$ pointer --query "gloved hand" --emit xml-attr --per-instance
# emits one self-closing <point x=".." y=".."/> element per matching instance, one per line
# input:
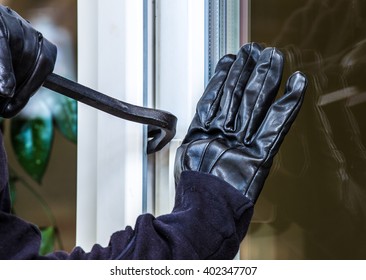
<point x="26" y="59"/>
<point x="238" y="127"/>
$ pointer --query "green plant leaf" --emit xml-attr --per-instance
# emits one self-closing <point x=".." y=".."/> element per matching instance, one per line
<point x="48" y="240"/>
<point x="32" y="141"/>
<point x="66" y="118"/>
<point x="63" y="110"/>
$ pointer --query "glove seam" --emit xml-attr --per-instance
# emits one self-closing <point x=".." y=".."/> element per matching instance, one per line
<point x="212" y="165"/>
<point x="220" y="156"/>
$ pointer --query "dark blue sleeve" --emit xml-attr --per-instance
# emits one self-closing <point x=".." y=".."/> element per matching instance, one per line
<point x="209" y="220"/>
<point x="18" y="239"/>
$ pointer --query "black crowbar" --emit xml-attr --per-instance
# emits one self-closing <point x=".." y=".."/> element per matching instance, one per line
<point x="161" y="124"/>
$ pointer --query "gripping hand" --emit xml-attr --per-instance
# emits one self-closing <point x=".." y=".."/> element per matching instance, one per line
<point x="26" y="59"/>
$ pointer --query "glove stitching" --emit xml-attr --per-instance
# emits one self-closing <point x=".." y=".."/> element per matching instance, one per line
<point x="219" y="157"/>
<point x="204" y="153"/>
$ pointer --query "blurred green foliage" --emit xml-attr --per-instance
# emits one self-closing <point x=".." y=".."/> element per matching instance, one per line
<point x="31" y="138"/>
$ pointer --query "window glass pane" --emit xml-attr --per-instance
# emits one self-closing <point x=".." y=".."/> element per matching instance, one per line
<point x="318" y="183"/>
<point x="222" y="31"/>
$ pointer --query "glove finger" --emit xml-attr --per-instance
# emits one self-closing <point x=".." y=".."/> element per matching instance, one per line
<point x="281" y="115"/>
<point x="277" y="123"/>
<point x="209" y="103"/>
<point x="260" y="92"/>
<point x="237" y="80"/>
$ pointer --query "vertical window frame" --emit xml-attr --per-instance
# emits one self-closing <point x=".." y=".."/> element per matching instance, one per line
<point x="110" y="150"/>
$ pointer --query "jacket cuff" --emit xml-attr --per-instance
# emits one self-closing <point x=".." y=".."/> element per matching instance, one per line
<point x="224" y="211"/>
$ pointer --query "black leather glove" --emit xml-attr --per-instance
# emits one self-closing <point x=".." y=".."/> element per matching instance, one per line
<point x="26" y="59"/>
<point x="238" y="127"/>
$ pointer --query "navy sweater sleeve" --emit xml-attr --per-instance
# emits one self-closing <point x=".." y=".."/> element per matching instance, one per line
<point x="209" y="220"/>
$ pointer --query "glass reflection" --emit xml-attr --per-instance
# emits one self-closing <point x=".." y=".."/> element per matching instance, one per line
<point x="318" y="186"/>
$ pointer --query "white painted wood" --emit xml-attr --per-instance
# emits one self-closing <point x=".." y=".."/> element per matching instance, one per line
<point x="110" y="59"/>
<point x="180" y="71"/>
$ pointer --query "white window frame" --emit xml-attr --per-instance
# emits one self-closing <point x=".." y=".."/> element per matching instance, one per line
<point x="159" y="65"/>
<point x="180" y="68"/>
<point x="110" y="150"/>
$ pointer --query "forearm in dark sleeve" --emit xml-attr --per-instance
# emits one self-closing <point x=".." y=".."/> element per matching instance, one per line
<point x="209" y="220"/>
